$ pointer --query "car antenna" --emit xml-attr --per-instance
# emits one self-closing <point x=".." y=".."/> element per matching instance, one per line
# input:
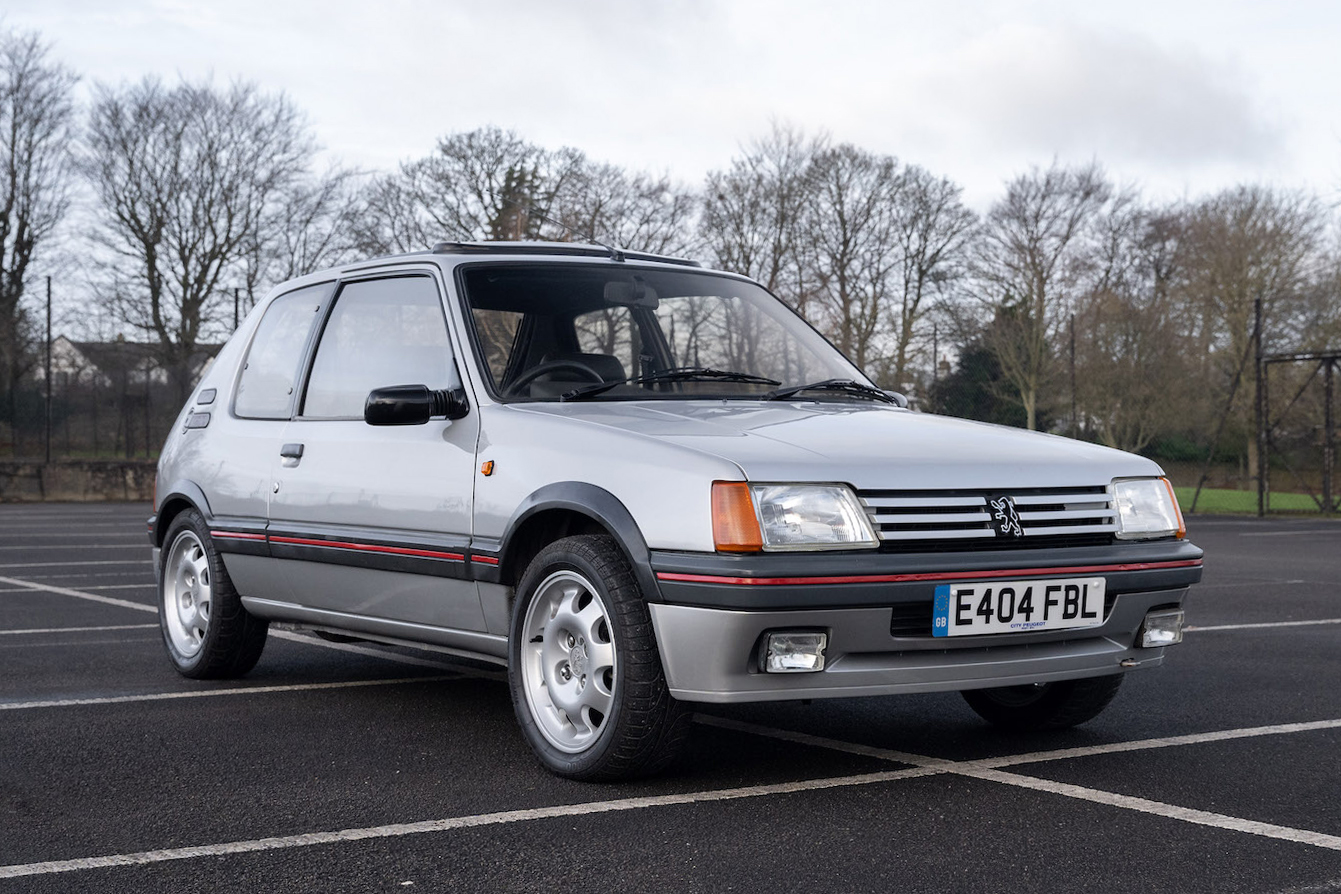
<point x="616" y="253"/>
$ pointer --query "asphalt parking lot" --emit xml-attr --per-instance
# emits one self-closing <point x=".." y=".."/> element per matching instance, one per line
<point x="343" y="767"/>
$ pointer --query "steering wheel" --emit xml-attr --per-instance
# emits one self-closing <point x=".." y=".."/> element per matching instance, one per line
<point x="535" y="372"/>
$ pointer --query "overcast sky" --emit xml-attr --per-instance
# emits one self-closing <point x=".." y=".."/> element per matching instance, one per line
<point x="1181" y="97"/>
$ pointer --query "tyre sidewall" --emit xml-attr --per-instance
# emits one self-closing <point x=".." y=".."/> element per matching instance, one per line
<point x="191" y="520"/>
<point x="562" y="556"/>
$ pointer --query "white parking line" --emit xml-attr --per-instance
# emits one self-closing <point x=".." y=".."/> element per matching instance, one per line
<point x="72" y="520"/>
<point x="60" y="564"/>
<point x="141" y="586"/>
<point x="146" y="571"/>
<point x="212" y="693"/>
<point x="1294" y="533"/>
<point x="458" y="822"/>
<point x="1158" y="808"/>
<point x="28" y="547"/>
<point x="1265" y="625"/>
<point x="352" y="648"/>
<point x="1259" y="583"/>
<point x="66" y="535"/>
<point x="35" y="630"/>
<point x="986" y="770"/>
<point x="78" y="594"/>
<point x="924" y="766"/>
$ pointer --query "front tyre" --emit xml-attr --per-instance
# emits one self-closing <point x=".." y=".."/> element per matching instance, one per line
<point x="208" y="633"/>
<point x="584" y="669"/>
<point x="1038" y="707"/>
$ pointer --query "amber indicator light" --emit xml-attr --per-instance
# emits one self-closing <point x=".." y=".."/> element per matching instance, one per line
<point x="1182" y="526"/>
<point x="735" y="527"/>
<point x="488" y="468"/>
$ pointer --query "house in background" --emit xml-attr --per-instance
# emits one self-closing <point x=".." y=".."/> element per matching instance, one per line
<point x="117" y="364"/>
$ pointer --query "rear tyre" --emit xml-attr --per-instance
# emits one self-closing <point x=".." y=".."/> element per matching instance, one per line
<point x="208" y="633"/>
<point x="1038" y="707"/>
<point x="584" y="669"/>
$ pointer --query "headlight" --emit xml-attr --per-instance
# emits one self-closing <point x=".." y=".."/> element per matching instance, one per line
<point x="748" y="517"/>
<point x="1146" y="509"/>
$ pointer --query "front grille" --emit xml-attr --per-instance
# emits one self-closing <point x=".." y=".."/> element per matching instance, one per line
<point x="960" y="520"/>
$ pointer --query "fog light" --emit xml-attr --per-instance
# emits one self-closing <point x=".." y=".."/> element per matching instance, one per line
<point x="1162" y="628"/>
<point x="793" y="652"/>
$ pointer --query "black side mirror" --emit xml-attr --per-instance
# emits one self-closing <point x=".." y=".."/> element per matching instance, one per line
<point x="413" y="405"/>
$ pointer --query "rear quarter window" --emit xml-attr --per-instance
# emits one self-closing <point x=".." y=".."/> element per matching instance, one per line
<point x="270" y="373"/>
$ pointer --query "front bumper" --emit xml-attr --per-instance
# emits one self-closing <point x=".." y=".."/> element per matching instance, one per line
<point x="716" y="610"/>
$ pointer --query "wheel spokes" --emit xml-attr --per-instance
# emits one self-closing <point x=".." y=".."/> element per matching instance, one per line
<point x="568" y="661"/>
<point x="186" y="594"/>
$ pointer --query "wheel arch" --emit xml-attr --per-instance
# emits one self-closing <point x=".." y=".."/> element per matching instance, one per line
<point x="573" y="507"/>
<point x="182" y="495"/>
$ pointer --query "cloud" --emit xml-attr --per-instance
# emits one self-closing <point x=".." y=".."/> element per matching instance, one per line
<point x="1075" y="91"/>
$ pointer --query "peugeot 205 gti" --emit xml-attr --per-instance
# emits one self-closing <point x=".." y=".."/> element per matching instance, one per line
<point x="639" y="484"/>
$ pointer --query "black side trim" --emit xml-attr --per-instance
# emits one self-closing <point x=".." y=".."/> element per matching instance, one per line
<point x="240" y="535"/>
<point x="595" y="503"/>
<point x="443" y="556"/>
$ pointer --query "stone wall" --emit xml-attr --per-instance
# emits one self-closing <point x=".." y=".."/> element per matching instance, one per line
<point x="77" y="480"/>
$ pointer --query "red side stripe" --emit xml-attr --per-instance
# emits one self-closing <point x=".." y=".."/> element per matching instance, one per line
<point x="235" y="535"/>
<point x="484" y="560"/>
<point x="925" y="576"/>
<point x="370" y="548"/>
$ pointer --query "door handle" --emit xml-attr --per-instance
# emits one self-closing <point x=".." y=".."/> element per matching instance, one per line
<point x="291" y="451"/>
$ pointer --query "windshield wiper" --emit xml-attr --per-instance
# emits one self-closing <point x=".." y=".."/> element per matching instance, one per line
<point x="678" y="374"/>
<point x="845" y="386"/>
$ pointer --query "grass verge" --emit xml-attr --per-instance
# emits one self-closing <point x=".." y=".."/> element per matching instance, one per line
<point x="1241" y="502"/>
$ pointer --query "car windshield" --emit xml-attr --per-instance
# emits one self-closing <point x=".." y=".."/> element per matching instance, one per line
<point x="547" y="332"/>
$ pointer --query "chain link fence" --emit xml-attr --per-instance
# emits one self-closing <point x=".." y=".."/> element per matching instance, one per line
<point x="113" y="401"/>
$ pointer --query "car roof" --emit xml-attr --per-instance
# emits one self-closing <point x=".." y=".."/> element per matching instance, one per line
<point x="451" y="254"/>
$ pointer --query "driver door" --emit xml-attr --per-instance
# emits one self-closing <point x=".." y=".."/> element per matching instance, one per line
<point x="374" y="521"/>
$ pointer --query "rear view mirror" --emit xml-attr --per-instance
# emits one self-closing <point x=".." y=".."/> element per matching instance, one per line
<point x="413" y="405"/>
<point x="634" y="292"/>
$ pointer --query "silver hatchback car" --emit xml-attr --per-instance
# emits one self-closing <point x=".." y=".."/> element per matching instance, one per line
<point x="639" y="484"/>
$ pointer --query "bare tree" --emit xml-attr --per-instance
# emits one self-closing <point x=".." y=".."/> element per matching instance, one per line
<point x="1241" y="246"/>
<point x="35" y="127"/>
<point x="1134" y="354"/>
<point x="752" y="211"/>
<point x="1032" y="257"/>
<point x="1245" y="244"/>
<point x="934" y="231"/>
<point x="634" y="211"/>
<point x="851" y="249"/>
<point x="310" y="224"/>
<point x="184" y="179"/>
<point x="483" y="184"/>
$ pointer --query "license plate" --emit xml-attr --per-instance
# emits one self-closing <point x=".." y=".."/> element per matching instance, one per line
<point x="1016" y="606"/>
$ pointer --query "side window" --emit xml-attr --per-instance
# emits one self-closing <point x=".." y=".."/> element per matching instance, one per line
<point x="382" y="332"/>
<point x="270" y="374"/>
